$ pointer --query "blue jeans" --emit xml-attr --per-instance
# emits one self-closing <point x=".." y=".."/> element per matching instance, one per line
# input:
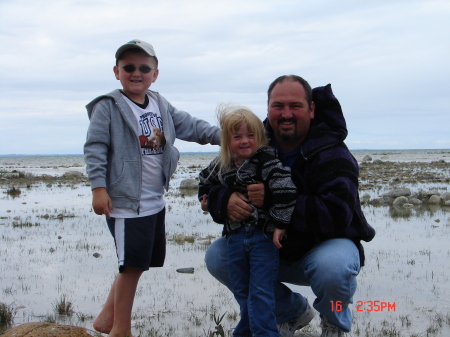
<point x="253" y="270"/>
<point x="330" y="269"/>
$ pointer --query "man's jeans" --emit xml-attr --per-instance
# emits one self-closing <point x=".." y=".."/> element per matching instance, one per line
<point x="330" y="269"/>
<point x="253" y="266"/>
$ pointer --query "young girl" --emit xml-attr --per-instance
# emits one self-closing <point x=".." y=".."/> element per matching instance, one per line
<point x="244" y="159"/>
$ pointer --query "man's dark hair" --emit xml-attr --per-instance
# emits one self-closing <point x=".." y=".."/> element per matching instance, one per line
<point x="293" y="78"/>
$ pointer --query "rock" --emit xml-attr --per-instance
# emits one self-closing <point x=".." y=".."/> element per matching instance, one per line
<point x="73" y="174"/>
<point x="398" y="192"/>
<point x="188" y="270"/>
<point x="180" y="238"/>
<point x="445" y="196"/>
<point x="189" y="184"/>
<point x="415" y="201"/>
<point x="434" y="199"/>
<point x="431" y="192"/>
<point x="400" y="200"/>
<point x="365" y="198"/>
<point x="205" y="242"/>
<point x="44" y="329"/>
<point x="407" y="205"/>
<point x="367" y="158"/>
<point x="377" y="201"/>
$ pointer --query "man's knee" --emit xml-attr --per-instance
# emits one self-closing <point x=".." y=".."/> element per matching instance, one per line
<point x="337" y="259"/>
<point x="216" y="259"/>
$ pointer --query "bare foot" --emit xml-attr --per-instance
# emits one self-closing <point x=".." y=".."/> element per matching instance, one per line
<point x="102" y="324"/>
<point x="122" y="334"/>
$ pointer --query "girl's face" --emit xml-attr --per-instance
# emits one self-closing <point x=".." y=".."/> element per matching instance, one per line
<point x="243" y="144"/>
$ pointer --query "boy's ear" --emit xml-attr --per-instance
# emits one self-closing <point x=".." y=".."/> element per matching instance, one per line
<point x="155" y="75"/>
<point x="116" y="72"/>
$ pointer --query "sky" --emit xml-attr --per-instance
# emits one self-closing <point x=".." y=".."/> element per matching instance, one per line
<point x="387" y="62"/>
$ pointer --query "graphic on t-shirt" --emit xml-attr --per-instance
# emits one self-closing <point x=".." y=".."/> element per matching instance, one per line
<point x="157" y="141"/>
<point x="152" y="139"/>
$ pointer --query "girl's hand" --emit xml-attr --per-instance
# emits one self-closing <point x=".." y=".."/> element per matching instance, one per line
<point x="204" y="203"/>
<point x="277" y="237"/>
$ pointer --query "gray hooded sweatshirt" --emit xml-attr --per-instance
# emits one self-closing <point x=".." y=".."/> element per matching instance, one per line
<point x="112" y="151"/>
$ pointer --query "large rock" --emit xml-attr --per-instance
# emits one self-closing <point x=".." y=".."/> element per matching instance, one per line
<point x="445" y="196"/>
<point x="44" y="329"/>
<point x="189" y="184"/>
<point x="400" y="201"/>
<point x="434" y="199"/>
<point x="367" y="158"/>
<point x="398" y="192"/>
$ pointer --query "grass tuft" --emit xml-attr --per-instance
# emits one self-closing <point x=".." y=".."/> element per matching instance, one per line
<point x="64" y="306"/>
<point x="7" y="313"/>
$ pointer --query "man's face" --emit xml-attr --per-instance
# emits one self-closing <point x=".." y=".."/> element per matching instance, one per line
<point x="288" y="113"/>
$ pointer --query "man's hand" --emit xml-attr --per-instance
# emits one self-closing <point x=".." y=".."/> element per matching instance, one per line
<point x="204" y="203"/>
<point x="101" y="202"/>
<point x="277" y="237"/>
<point x="256" y="194"/>
<point x="237" y="208"/>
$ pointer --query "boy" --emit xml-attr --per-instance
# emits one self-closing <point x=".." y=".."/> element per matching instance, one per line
<point x="130" y="158"/>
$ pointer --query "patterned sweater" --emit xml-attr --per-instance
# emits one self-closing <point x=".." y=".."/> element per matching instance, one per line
<point x="264" y="167"/>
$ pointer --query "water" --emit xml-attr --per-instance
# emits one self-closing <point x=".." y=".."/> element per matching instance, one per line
<point x="49" y="234"/>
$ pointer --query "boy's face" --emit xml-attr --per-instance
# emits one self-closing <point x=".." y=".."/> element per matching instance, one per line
<point x="136" y="83"/>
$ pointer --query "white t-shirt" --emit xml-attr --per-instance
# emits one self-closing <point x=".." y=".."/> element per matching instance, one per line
<point x="151" y="137"/>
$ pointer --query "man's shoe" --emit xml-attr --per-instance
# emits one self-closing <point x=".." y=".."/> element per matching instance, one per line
<point x="330" y="330"/>
<point x="288" y="329"/>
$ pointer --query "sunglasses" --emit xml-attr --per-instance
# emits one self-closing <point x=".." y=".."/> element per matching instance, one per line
<point x="129" y="68"/>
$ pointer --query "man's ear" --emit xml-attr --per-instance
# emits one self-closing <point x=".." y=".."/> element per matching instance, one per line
<point x="312" y="108"/>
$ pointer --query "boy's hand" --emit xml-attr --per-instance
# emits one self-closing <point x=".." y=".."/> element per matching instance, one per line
<point x="277" y="237"/>
<point x="256" y="194"/>
<point x="101" y="202"/>
<point x="204" y="203"/>
<point x="237" y="208"/>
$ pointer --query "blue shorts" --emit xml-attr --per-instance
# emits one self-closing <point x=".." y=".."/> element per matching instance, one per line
<point x="140" y="242"/>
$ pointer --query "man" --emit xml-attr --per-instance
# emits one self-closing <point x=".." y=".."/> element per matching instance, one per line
<point x="323" y="248"/>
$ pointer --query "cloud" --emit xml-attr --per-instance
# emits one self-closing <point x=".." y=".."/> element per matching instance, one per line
<point x="386" y="61"/>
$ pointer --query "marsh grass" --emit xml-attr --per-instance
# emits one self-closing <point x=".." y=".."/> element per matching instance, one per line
<point x="25" y="224"/>
<point x="7" y="313"/>
<point x="13" y="192"/>
<point x="219" y="329"/>
<point x="63" y="306"/>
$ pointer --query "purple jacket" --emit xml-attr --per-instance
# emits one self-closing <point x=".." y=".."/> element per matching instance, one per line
<point x="326" y="176"/>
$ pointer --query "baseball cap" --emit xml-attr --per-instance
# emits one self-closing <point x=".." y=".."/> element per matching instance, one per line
<point x="146" y="47"/>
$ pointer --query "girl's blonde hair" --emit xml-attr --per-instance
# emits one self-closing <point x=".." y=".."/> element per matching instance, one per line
<point x="230" y="118"/>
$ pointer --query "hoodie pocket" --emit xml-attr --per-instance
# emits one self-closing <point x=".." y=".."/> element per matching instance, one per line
<point x="127" y="184"/>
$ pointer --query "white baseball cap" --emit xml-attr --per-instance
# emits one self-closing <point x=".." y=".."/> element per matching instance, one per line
<point x="146" y="47"/>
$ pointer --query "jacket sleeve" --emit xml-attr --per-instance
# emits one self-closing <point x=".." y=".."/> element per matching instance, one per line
<point x="283" y="192"/>
<point x="326" y="202"/>
<point x="97" y="145"/>
<point x="217" y="194"/>
<point x="193" y="129"/>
